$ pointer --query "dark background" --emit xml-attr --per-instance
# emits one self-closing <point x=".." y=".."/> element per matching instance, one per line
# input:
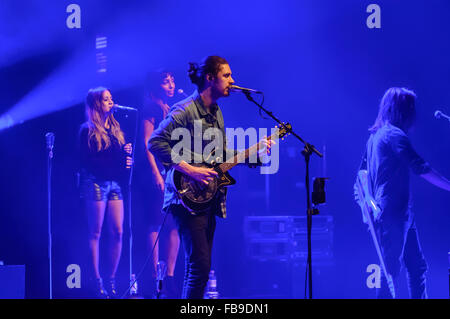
<point x="321" y="69"/>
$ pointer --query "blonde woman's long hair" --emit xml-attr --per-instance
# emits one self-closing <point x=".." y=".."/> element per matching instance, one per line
<point x="94" y="115"/>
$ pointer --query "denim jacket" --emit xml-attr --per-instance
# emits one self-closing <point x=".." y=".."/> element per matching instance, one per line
<point x="188" y="114"/>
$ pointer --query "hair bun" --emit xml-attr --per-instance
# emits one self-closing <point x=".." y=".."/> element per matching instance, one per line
<point x="193" y="72"/>
<point x="193" y="67"/>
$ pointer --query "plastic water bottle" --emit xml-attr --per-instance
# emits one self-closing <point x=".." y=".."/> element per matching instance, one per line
<point x="211" y="288"/>
<point x="134" y="285"/>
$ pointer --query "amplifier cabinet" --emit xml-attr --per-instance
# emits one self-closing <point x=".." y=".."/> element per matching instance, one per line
<point x="285" y="238"/>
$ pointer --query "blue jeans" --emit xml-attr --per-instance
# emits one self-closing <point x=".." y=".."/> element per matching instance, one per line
<point x="400" y="245"/>
<point x="196" y="234"/>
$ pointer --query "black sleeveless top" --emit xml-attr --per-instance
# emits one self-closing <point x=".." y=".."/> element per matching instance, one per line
<point x="150" y="111"/>
<point x="105" y="165"/>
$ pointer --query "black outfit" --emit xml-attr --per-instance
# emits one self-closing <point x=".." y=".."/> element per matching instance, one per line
<point x="196" y="229"/>
<point x="147" y="205"/>
<point x="389" y="160"/>
<point x="102" y="173"/>
<point x="197" y="234"/>
<point x="103" y="176"/>
<point x="148" y="198"/>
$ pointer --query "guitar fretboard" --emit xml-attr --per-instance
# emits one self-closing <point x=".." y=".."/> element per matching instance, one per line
<point x="241" y="157"/>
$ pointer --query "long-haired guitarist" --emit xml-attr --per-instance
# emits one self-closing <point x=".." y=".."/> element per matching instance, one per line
<point x="196" y="229"/>
<point x="389" y="159"/>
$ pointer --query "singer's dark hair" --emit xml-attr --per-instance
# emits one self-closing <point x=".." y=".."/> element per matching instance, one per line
<point x="397" y="107"/>
<point x="154" y="78"/>
<point x="210" y="65"/>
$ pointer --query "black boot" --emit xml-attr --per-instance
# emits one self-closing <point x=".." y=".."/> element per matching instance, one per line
<point x="160" y="290"/>
<point x="170" y="290"/>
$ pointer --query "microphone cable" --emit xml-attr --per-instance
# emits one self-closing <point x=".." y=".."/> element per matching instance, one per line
<point x="149" y="255"/>
<point x="260" y="111"/>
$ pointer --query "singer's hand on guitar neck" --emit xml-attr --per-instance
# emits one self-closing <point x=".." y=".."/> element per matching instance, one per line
<point x="200" y="174"/>
<point x="265" y="144"/>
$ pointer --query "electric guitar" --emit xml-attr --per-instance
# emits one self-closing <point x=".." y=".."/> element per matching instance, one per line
<point x="371" y="212"/>
<point x="197" y="196"/>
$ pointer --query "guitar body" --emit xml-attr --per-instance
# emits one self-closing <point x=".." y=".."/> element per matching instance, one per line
<point x="372" y="212"/>
<point x="196" y="196"/>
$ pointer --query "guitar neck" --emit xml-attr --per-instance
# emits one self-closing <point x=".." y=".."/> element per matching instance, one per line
<point x="241" y="157"/>
<point x="238" y="158"/>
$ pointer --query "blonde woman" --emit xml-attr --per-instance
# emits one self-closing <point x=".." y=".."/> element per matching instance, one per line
<point x="104" y="163"/>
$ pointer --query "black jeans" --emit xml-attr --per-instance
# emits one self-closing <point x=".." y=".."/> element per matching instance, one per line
<point x="400" y="244"/>
<point x="196" y="234"/>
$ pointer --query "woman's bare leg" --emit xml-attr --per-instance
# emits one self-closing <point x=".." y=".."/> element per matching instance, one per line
<point x="151" y="243"/>
<point x="95" y="214"/>
<point x="115" y="213"/>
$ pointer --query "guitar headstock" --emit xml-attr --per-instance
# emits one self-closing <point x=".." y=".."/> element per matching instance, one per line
<point x="283" y="130"/>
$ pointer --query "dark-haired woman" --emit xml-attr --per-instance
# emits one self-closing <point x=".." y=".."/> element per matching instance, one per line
<point x="149" y="182"/>
<point x="104" y="164"/>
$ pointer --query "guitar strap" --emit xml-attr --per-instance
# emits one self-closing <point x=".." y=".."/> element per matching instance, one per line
<point x="363" y="164"/>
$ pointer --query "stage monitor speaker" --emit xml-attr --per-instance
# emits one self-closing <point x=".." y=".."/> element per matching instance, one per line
<point x="12" y="282"/>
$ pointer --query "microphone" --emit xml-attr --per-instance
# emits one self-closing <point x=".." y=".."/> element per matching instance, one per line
<point x="439" y="115"/>
<point x="235" y="88"/>
<point x="180" y="91"/>
<point x="50" y="139"/>
<point x="121" y="107"/>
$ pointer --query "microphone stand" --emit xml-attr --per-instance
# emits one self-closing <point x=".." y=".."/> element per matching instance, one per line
<point x="132" y="280"/>
<point x="49" y="210"/>
<point x="308" y="150"/>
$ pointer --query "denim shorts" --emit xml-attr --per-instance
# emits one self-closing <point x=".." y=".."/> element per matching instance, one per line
<point x="91" y="189"/>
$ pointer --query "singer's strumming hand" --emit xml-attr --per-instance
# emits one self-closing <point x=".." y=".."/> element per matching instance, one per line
<point x="202" y="174"/>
